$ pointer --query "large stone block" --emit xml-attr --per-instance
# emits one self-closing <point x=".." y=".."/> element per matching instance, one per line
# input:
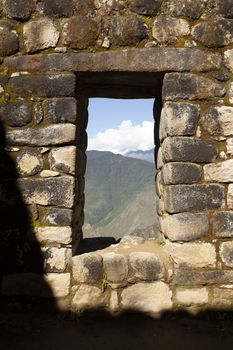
<point x="168" y="29"/>
<point x="230" y="146"/>
<point x="20" y="9"/>
<point x="127" y="30"/>
<point x="226" y="253"/>
<point x="53" y="235"/>
<point x="58" y="216"/>
<point x="222" y="298"/>
<point x="185" y="226"/>
<point x="48" y="85"/>
<point x="228" y="58"/>
<point x="178" y="119"/>
<point x="181" y="173"/>
<point x="194" y="277"/>
<point x="145" y="7"/>
<point x="219" y="172"/>
<point x="218" y="120"/>
<point x="52" y="191"/>
<point x="56" y="259"/>
<point x="50" y="135"/>
<point x="230" y="196"/>
<point x="187" y="149"/>
<point x="63" y="159"/>
<point x="182" y="198"/>
<point x="144" y="266"/>
<point x="15" y="113"/>
<point x="152" y="298"/>
<point x="187" y="8"/>
<point x="115" y="267"/>
<point x="29" y="163"/>
<point x="191" y="86"/>
<point x="194" y="255"/>
<point x="89" y="297"/>
<point x="60" y="110"/>
<point x="225" y="7"/>
<point x="9" y="43"/>
<point x="223" y="224"/>
<point x="88" y="268"/>
<point x="57" y="8"/>
<point x="194" y="296"/>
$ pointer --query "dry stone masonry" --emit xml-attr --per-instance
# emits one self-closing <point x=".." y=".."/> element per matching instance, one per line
<point x="54" y="54"/>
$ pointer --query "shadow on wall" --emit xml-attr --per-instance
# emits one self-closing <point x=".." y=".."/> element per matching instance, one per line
<point x="19" y="250"/>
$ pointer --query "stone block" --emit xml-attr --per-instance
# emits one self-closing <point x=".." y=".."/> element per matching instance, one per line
<point x="218" y="121"/>
<point x="63" y="159"/>
<point x="223" y="224"/>
<point x="191" y="86"/>
<point x="230" y="146"/>
<point x="144" y="266"/>
<point x="228" y="59"/>
<point x="145" y="7"/>
<point x="57" y="191"/>
<point x="222" y="298"/>
<point x="187" y="8"/>
<point x="49" y="173"/>
<point x="226" y="253"/>
<point x="49" y="135"/>
<point x="192" y="255"/>
<point x="219" y="172"/>
<point x="225" y="8"/>
<point x="56" y="259"/>
<point x="185" y="226"/>
<point x="9" y="42"/>
<point x="48" y="85"/>
<point x="214" y="33"/>
<point x="127" y="30"/>
<point x="178" y="119"/>
<point x="87" y="268"/>
<point x="182" y="198"/>
<point x="29" y="163"/>
<point x="20" y="9"/>
<point x="60" y="110"/>
<point x="152" y="298"/>
<point x="39" y="35"/>
<point x="192" y="296"/>
<point x="187" y="149"/>
<point x="80" y="32"/>
<point x="89" y="297"/>
<point x="230" y="196"/>
<point x="57" y="8"/>
<point x="167" y="29"/>
<point x="53" y="235"/>
<point x="181" y="173"/>
<point x="58" y="216"/>
<point x="15" y="113"/>
<point x="194" y="277"/>
<point x="115" y="267"/>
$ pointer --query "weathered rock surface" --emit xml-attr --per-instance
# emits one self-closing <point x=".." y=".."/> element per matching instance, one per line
<point x="191" y="277"/>
<point x="60" y="110"/>
<point x="45" y="136"/>
<point x="48" y="173"/>
<point x="228" y="59"/>
<point x="58" y="216"/>
<point x="181" y="173"/>
<point x="178" y="119"/>
<point x="223" y="224"/>
<point x="57" y="235"/>
<point x="222" y="298"/>
<point x="115" y="267"/>
<point x="87" y="268"/>
<point x="56" y="259"/>
<point x="29" y="163"/>
<point x="230" y="196"/>
<point x="225" y="7"/>
<point x="218" y="120"/>
<point x="8" y="41"/>
<point x="182" y="198"/>
<point x="15" y="113"/>
<point x="58" y="191"/>
<point x="194" y="296"/>
<point x="145" y="7"/>
<point x="168" y="29"/>
<point x="57" y="8"/>
<point x="226" y="253"/>
<point x="144" y="266"/>
<point x="219" y="172"/>
<point x="20" y="9"/>
<point x="185" y="226"/>
<point x="63" y="159"/>
<point x="89" y="297"/>
<point x="151" y="298"/>
<point x="187" y="8"/>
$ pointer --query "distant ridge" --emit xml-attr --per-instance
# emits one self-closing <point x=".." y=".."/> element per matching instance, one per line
<point x="139" y="154"/>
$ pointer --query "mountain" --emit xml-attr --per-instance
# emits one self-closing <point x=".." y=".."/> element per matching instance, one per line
<point x="144" y="155"/>
<point x="119" y="195"/>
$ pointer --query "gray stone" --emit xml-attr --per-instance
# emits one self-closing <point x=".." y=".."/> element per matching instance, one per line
<point x="219" y="172"/>
<point x="188" y="8"/>
<point x="63" y="159"/>
<point x="226" y="253"/>
<point x="193" y="296"/>
<point x="50" y="135"/>
<point x="58" y="8"/>
<point x="89" y="297"/>
<point x="85" y="6"/>
<point x="127" y="30"/>
<point x="115" y="267"/>
<point x="20" y="9"/>
<point x="38" y="112"/>
<point x="181" y="173"/>
<point x="49" y="173"/>
<point x="194" y="277"/>
<point x="58" y="191"/>
<point x="215" y="33"/>
<point x="39" y="35"/>
<point x="218" y="120"/>
<point x="48" y="85"/>
<point x="9" y="43"/>
<point x="222" y="298"/>
<point x="228" y="59"/>
<point x="60" y="110"/>
<point x="144" y="266"/>
<point x="178" y="119"/>
<point x="190" y="86"/>
<point x="225" y="7"/>
<point x="80" y="32"/>
<point x="185" y="226"/>
<point x="145" y="7"/>
<point x="152" y="298"/>
<point x="187" y="149"/>
<point x="182" y="198"/>
<point x="15" y="113"/>
<point x="168" y="29"/>
<point x="52" y="285"/>
<point x="58" y="216"/>
<point x="87" y="268"/>
<point x="223" y="224"/>
<point x="51" y="235"/>
<point x="29" y="163"/>
<point x="230" y="93"/>
<point x="230" y="196"/>
<point x="56" y="259"/>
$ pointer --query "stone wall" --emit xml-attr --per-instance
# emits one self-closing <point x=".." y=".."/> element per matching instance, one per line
<point x="51" y="53"/>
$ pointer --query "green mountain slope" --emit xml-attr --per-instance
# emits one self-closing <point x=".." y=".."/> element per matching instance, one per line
<point x="120" y="195"/>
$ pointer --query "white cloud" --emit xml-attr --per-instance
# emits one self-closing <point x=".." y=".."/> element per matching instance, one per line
<point x="124" y="138"/>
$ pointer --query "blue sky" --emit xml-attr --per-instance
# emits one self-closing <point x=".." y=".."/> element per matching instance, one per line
<point x="118" y="125"/>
